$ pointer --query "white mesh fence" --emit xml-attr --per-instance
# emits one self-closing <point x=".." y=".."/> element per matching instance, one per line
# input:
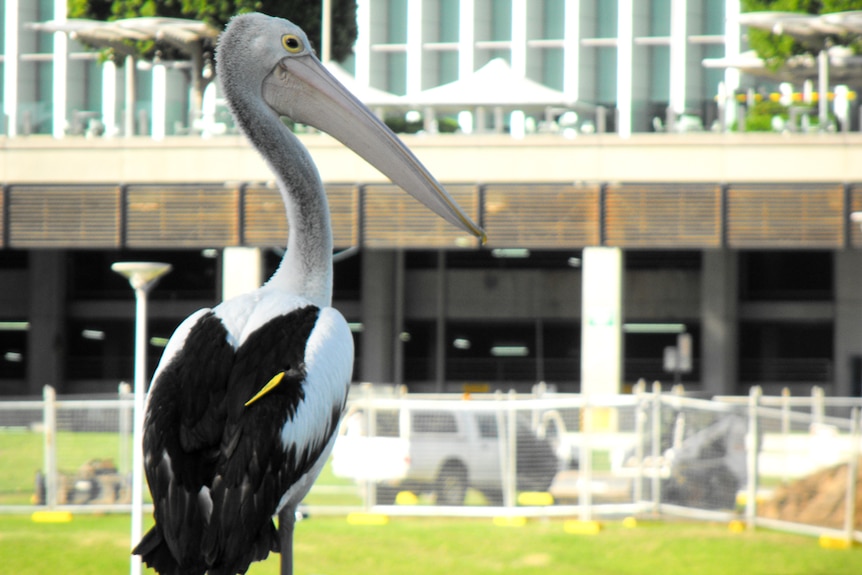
<point x="66" y="451"/>
<point x="785" y="462"/>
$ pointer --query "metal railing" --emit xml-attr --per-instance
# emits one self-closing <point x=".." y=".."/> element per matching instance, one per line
<point x="757" y="460"/>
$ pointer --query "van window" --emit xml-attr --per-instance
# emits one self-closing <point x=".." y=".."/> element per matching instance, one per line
<point x="487" y="425"/>
<point x="434" y="422"/>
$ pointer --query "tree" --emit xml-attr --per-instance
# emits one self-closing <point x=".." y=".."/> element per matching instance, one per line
<point x="775" y="49"/>
<point x="306" y="14"/>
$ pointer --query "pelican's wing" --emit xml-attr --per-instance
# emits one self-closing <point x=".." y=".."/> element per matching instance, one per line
<point x="276" y="443"/>
<point x="182" y="435"/>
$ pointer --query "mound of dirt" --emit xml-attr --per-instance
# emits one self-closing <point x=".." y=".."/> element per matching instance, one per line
<point x="818" y="499"/>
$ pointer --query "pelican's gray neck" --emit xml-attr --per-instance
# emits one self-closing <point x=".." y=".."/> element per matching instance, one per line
<point x="306" y="268"/>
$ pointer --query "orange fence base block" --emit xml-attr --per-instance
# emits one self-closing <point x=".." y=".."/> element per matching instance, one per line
<point x="577" y="527"/>
<point x="828" y="542"/>
<point x="367" y="519"/>
<point x="406" y="498"/>
<point x="535" y="499"/>
<point x="51" y="517"/>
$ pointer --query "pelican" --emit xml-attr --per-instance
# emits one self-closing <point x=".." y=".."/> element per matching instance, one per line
<point x="247" y="398"/>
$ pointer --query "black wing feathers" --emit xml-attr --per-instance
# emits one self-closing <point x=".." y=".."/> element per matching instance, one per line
<point x="221" y="451"/>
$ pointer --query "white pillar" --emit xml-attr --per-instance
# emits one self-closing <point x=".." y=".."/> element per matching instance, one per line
<point x="61" y="67"/>
<point x="414" y="47"/>
<point x="732" y="41"/>
<point x="466" y="38"/>
<point x="109" y="98"/>
<point x="129" y="112"/>
<point x="10" y="68"/>
<point x="572" y="50"/>
<point x="519" y="37"/>
<point x="362" y="48"/>
<point x="160" y="95"/>
<point x="242" y="271"/>
<point x="601" y="321"/>
<point x="625" y="71"/>
<point x="678" y="19"/>
<point x="326" y="32"/>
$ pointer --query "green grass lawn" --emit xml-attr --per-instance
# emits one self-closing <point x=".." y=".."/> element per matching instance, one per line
<point x="329" y="545"/>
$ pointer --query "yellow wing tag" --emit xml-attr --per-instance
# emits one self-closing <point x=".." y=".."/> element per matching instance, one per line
<point x="270" y="385"/>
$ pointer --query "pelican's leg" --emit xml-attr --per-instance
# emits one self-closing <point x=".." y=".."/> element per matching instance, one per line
<point x="286" y="521"/>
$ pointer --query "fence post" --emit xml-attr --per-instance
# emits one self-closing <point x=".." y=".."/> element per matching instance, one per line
<point x="640" y="424"/>
<point x="585" y="463"/>
<point x="751" y="449"/>
<point x="852" y="474"/>
<point x="371" y="430"/>
<point x="818" y="408"/>
<point x="511" y="451"/>
<point x="49" y="421"/>
<point x="125" y="392"/>
<point x="656" y="446"/>
<point x="785" y="432"/>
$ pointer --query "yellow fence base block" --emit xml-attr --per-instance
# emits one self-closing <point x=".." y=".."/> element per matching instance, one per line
<point x="514" y="521"/>
<point x="578" y="527"/>
<point x="406" y="498"/>
<point x="737" y="526"/>
<point x="535" y="499"/>
<point x="367" y="519"/>
<point x="51" y="517"/>
<point x="828" y="542"/>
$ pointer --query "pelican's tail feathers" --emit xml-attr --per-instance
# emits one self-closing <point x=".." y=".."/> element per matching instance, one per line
<point x="155" y="553"/>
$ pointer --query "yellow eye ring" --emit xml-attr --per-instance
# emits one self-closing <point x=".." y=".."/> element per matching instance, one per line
<point x="292" y="43"/>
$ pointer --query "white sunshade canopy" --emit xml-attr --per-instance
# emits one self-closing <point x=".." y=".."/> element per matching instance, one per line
<point x="805" y="27"/>
<point x="367" y="95"/>
<point x="494" y="84"/>
<point x="181" y="33"/>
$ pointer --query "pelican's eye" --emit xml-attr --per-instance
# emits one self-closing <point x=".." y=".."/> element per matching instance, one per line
<point x="291" y="43"/>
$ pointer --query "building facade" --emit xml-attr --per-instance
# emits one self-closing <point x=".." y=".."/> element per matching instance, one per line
<point x="744" y="240"/>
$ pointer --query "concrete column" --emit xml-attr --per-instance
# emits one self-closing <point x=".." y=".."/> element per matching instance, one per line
<point x="242" y="271"/>
<point x="601" y="321"/>
<point x="378" y="316"/>
<point x="848" y="321"/>
<point x="719" y="321"/>
<point x="46" y="349"/>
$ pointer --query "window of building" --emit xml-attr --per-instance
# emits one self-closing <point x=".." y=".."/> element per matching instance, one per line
<point x="787" y="352"/>
<point x="786" y="275"/>
<point x="195" y="275"/>
<point x="13" y="350"/>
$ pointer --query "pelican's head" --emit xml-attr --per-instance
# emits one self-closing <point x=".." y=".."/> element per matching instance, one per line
<point x="269" y="60"/>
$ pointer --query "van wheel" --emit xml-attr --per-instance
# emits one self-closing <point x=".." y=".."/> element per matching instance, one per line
<point x="451" y="485"/>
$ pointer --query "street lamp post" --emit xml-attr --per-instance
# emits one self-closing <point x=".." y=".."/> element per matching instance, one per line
<point x="142" y="276"/>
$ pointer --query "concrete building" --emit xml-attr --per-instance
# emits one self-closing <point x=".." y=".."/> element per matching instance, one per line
<point x="744" y="241"/>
